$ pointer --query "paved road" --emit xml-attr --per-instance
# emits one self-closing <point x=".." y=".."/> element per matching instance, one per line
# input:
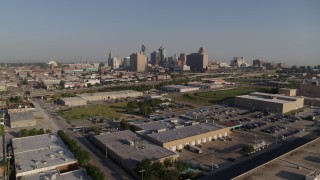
<point x="110" y="169"/>
<point x="241" y="167"/>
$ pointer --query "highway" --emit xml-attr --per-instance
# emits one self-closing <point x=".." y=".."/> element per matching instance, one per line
<point x="251" y="162"/>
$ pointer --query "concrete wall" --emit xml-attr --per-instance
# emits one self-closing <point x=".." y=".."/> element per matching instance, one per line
<point x="288" y="92"/>
<point x="23" y="123"/>
<point x="311" y="90"/>
<point x="198" y="139"/>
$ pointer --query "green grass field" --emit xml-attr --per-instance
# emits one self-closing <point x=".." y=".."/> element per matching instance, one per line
<point x="107" y="111"/>
<point x="212" y="97"/>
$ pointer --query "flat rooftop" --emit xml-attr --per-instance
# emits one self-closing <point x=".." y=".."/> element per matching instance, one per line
<point x="73" y="99"/>
<point x="179" y="86"/>
<point x="184" y="132"/>
<point x="274" y="98"/>
<point x="107" y="93"/>
<point x="20" y="116"/>
<point x="295" y="165"/>
<point x="42" y="152"/>
<point x="72" y="175"/>
<point x="142" y="148"/>
<point x="160" y="125"/>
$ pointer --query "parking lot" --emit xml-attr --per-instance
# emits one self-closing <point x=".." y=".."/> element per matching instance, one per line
<point x="222" y="152"/>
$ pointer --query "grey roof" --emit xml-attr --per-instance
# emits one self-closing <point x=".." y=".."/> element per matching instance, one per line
<point x="141" y="149"/>
<point x="72" y="175"/>
<point x="73" y="99"/>
<point x="41" y="152"/>
<point x="179" y="86"/>
<point x="183" y="132"/>
<point x="20" y="116"/>
<point x="274" y="98"/>
<point x="107" y="93"/>
<point x="159" y="125"/>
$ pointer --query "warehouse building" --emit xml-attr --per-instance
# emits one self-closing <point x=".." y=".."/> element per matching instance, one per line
<point x="129" y="148"/>
<point x="205" y="85"/>
<point x="180" y="88"/>
<point x="288" y="92"/>
<point x="109" y="95"/>
<point x="178" y="138"/>
<point x="72" y="101"/>
<point x="23" y="119"/>
<point x="56" y="175"/>
<point x="274" y="103"/>
<point x="34" y="155"/>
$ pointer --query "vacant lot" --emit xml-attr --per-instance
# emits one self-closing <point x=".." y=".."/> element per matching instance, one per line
<point x="112" y="111"/>
<point x="216" y="96"/>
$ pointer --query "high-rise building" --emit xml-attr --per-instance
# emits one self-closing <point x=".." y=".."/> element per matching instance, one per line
<point x="163" y="55"/>
<point x="137" y="62"/>
<point x="237" y="61"/>
<point x="114" y="62"/>
<point x="198" y="61"/>
<point x="155" y="58"/>
<point x="257" y="63"/>
<point x="126" y="62"/>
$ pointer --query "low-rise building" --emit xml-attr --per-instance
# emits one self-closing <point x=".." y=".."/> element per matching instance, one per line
<point x="23" y="119"/>
<point x="205" y="85"/>
<point x="288" y="92"/>
<point x="178" y="138"/>
<point x="109" y="95"/>
<point x="180" y="88"/>
<point x="34" y="155"/>
<point x="129" y="148"/>
<point x="72" y="101"/>
<point x="274" y="103"/>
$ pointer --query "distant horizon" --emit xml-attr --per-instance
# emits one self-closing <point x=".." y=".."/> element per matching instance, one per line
<point x="275" y="31"/>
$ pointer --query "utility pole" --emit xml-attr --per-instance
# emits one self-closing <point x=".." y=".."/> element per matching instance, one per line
<point x="212" y="159"/>
<point x="142" y="170"/>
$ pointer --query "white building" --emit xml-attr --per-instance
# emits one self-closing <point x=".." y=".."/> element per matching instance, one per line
<point x="180" y="88"/>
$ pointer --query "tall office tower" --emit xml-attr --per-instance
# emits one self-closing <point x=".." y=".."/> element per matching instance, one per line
<point x="237" y="61"/>
<point x="163" y="55"/>
<point x="183" y="58"/>
<point x="137" y="62"/>
<point x="126" y="62"/>
<point x="257" y="63"/>
<point x="113" y="62"/>
<point x="198" y="61"/>
<point x="143" y="50"/>
<point x="155" y="58"/>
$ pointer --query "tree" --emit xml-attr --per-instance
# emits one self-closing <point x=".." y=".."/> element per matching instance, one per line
<point x="94" y="172"/>
<point x="1" y="129"/>
<point x="48" y="131"/>
<point x="32" y="132"/>
<point x="41" y="85"/>
<point x="40" y="131"/>
<point x="247" y="149"/>
<point x="168" y="162"/>
<point x="157" y="169"/>
<point x="124" y="125"/>
<point x="62" y="83"/>
<point x="23" y="133"/>
<point x="144" y="164"/>
<point x="25" y="82"/>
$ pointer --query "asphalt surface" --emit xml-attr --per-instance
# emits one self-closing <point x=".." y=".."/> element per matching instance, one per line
<point x="243" y="166"/>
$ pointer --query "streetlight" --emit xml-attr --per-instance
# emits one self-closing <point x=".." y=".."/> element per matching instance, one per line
<point x="142" y="170"/>
<point x="212" y="160"/>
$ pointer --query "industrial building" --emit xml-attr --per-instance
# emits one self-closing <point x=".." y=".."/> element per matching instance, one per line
<point x="129" y="148"/>
<point x="72" y="101"/>
<point x="205" y="85"/>
<point x="109" y="95"/>
<point x="35" y="155"/>
<point x="310" y="90"/>
<point x="274" y="103"/>
<point x="56" y="175"/>
<point x="178" y="138"/>
<point x="288" y="92"/>
<point x="23" y="119"/>
<point x="180" y="88"/>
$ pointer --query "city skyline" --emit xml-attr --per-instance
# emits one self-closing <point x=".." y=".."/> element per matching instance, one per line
<point x="37" y="31"/>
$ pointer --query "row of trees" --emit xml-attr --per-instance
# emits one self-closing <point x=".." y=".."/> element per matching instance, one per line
<point x="33" y="132"/>
<point x="82" y="156"/>
<point x="145" y="107"/>
<point x="168" y="170"/>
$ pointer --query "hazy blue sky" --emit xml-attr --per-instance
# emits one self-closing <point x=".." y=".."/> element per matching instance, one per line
<point x="64" y="30"/>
